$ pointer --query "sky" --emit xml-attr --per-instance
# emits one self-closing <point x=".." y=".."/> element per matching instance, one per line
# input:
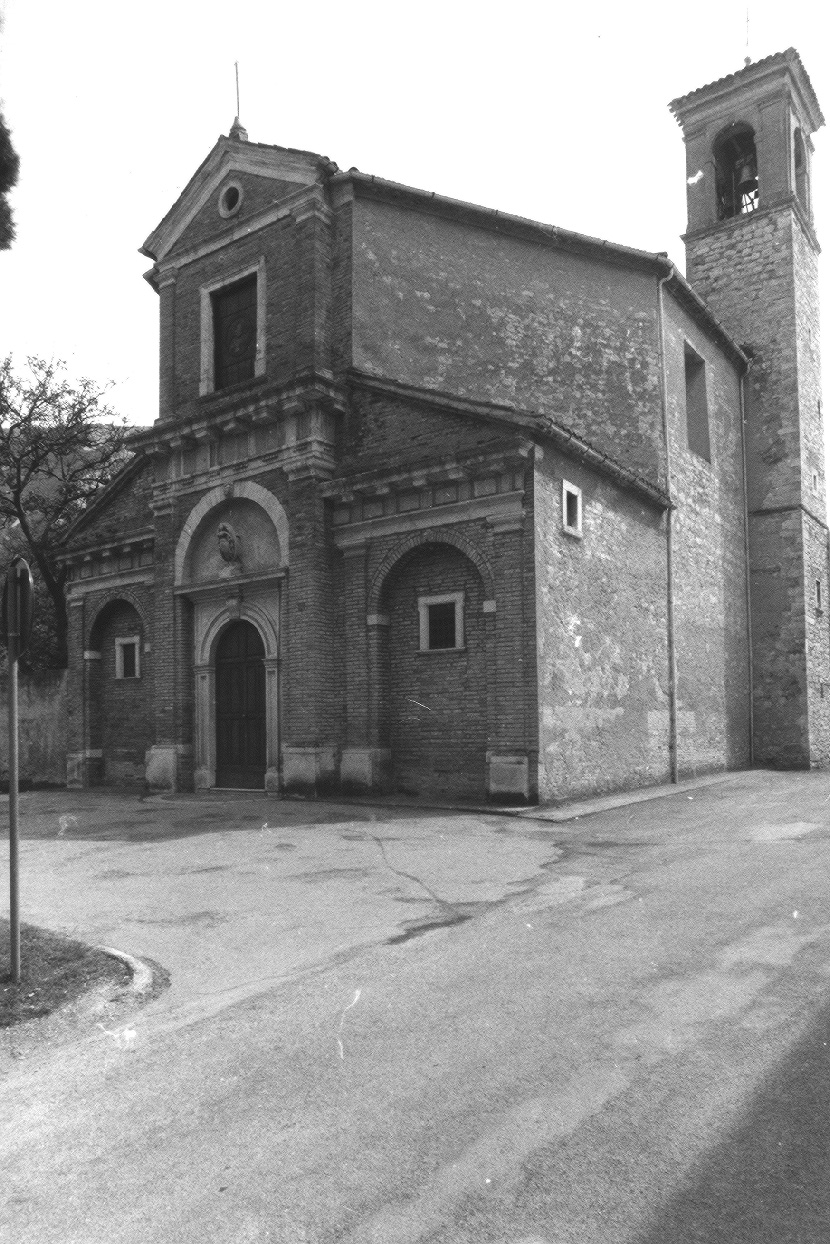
<point x="554" y="111"/>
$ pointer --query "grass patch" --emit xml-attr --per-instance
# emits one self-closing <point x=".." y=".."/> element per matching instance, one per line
<point x="54" y="970"/>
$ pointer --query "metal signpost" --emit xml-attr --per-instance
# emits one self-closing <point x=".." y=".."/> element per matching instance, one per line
<point x="15" y="631"/>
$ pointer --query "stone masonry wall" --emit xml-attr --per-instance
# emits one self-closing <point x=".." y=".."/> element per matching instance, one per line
<point x="601" y="625"/>
<point x="758" y="273"/>
<point x="41" y="728"/>
<point x="709" y="561"/>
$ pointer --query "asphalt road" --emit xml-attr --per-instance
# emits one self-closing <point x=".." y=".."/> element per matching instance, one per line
<point x="608" y="1030"/>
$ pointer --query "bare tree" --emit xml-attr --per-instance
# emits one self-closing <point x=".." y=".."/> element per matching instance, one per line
<point x="60" y="444"/>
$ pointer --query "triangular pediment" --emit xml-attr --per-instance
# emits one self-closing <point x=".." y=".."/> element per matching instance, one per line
<point x="270" y="173"/>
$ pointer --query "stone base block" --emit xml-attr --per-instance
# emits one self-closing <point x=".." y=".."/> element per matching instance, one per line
<point x="272" y="781"/>
<point x="309" y="770"/>
<point x="364" y="769"/>
<point x="162" y="764"/>
<point x="202" y="779"/>
<point x="84" y="769"/>
<point x="508" y="777"/>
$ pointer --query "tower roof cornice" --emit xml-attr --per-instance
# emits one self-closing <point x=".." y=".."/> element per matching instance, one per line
<point x="759" y="75"/>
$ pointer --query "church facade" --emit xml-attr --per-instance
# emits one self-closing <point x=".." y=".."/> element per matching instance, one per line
<point x="453" y="503"/>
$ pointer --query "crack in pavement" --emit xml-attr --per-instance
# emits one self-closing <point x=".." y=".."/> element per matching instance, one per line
<point x="442" y="902"/>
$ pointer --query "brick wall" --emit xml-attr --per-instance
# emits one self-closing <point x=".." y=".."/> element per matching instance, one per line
<point x="447" y="306"/>
<point x="257" y="193"/>
<point x="384" y="431"/>
<point x="127" y="510"/>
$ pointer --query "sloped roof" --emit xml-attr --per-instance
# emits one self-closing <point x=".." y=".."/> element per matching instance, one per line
<point x="788" y="59"/>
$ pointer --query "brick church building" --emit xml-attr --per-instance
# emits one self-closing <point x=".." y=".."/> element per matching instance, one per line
<point x="445" y="501"/>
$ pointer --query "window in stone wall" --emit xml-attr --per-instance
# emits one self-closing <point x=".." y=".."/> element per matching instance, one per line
<point x="127" y="658"/>
<point x="697" y="409"/>
<point x="441" y="622"/>
<point x="571" y="509"/>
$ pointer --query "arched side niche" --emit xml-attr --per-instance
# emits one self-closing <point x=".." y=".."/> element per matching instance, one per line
<point x="736" y="171"/>
<point x="435" y="706"/>
<point x="257" y="538"/>
<point x="119" y="698"/>
<point x="414" y="541"/>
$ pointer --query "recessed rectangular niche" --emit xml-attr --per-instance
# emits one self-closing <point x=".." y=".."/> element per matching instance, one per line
<point x="697" y="409"/>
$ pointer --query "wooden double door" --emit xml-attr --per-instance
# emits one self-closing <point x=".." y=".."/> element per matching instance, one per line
<point x="240" y="708"/>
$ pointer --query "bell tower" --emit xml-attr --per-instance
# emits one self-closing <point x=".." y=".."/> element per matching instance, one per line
<point x="751" y="254"/>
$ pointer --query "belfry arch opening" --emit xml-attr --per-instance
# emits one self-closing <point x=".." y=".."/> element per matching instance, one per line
<point x="736" y="172"/>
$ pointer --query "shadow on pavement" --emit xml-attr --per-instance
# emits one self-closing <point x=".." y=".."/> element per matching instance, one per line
<point x="769" y="1178"/>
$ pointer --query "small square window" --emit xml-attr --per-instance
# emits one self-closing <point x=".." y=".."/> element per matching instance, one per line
<point x="127" y="659"/>
<point x="571" y="509"/>
<point x="441" y="621"/>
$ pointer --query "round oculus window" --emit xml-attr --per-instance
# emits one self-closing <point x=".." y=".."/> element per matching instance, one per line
<point x="230" y="200"/>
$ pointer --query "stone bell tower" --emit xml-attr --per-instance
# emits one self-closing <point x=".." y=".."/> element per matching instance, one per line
<point x="752" y="256"/>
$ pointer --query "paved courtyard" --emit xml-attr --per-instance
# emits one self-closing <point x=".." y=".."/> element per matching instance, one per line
<point x="412" y="1026"/>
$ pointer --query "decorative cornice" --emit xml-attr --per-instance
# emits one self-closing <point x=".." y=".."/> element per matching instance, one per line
<point x="755" y="74"/>
<point x="498" y="509"/>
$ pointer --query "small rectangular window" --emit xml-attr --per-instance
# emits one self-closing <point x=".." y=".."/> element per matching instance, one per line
<point x="127" y="660"/>
<point x="697" y="409"/>
<point x="441" y="620"/>
<point x="818" y="594"/>
<point x="571" y="509"/>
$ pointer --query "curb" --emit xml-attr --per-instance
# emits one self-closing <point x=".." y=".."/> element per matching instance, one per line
<point x="141" y="975"/>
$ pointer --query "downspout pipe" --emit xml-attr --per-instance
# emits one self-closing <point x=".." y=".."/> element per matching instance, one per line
<point x="750" y="666"/>
<point x="670" y="629"/>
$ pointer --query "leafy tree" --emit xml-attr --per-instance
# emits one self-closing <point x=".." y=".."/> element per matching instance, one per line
<point x="9" y="168"/>
<point x="60" y="443"/>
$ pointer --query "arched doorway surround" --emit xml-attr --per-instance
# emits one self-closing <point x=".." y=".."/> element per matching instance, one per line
<point x="265" y="622"/>
<point x="240" y="707"/>
<point x="231" y="561"/>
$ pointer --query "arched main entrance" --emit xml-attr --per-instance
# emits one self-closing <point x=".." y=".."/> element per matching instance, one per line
<point x="240" y="708"/>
